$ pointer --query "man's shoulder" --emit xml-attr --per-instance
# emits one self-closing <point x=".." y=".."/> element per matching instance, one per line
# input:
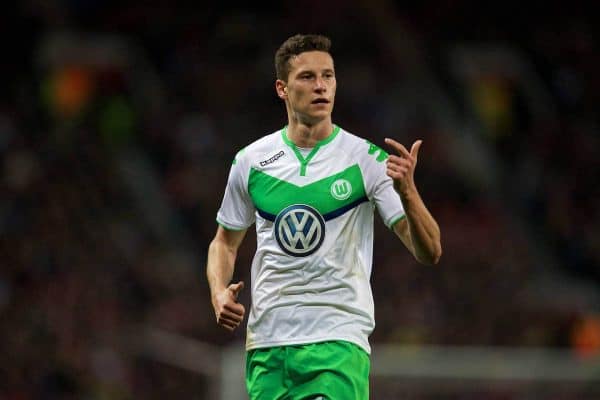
<point x="351" y="139"/>
<point x="260" y="147"/>
<point x="361" y="148"/>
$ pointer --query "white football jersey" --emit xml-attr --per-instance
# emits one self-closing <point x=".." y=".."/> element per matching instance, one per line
<point x="314" y="223"/>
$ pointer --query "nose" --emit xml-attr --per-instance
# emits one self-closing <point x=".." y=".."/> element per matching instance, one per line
<point x="320" y="85"/>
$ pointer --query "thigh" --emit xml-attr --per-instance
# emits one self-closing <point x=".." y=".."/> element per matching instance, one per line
<point x="330" y="370"/>
<point x="265" y="373"/>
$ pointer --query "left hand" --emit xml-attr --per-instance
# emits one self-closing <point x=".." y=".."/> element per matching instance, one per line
<point x="401" y="166"/>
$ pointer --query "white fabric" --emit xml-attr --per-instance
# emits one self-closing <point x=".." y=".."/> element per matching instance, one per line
<point x="325" y="295"/>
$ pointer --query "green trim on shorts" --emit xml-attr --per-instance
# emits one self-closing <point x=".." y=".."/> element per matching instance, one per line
<point x="329" y="370"/>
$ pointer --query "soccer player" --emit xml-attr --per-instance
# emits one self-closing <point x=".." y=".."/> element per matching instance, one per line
<point x="311" y="189"/>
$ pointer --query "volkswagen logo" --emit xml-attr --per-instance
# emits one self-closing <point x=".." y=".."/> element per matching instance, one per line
<point x="299" y="230"/>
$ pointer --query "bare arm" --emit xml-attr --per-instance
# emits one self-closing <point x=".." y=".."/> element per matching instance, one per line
<point x="421" y="235"/>
<point x="419" y="231"/>
<point x="222" y="253"/>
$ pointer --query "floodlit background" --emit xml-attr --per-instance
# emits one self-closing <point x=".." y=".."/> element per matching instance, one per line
<point x="118" y="124"/>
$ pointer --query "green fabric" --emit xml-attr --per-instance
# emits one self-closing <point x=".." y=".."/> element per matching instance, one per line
<point x="381" y="154"/>
<point x="332" y="370"/>
<point x="272" y="195"/>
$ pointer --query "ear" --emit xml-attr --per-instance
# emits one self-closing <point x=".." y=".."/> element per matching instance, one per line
<point x="281" y="89"/>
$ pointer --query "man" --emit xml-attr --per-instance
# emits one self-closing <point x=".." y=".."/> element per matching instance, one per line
<point x="311" y="189"/>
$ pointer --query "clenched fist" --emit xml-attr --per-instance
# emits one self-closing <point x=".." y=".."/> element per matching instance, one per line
<point x="228" y="311"/>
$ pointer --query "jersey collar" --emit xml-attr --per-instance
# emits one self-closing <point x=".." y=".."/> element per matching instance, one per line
<point x="304" y="161"/>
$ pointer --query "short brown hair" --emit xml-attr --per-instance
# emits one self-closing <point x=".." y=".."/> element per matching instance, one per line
<point x="294" y="46"/>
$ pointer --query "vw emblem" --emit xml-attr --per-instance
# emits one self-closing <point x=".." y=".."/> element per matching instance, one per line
<point x="299" y="230"/>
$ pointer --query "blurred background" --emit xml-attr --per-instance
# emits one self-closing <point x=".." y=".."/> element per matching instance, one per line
<point x="118" y="124"/>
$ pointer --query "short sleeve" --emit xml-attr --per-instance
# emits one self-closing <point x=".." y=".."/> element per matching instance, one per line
<point x="388" y="202"/>
<point x="237" y="209"/>
<point x="380" y="187"/>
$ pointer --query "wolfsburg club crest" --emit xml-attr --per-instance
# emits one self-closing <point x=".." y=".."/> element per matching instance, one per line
<point x="341" y="189"/>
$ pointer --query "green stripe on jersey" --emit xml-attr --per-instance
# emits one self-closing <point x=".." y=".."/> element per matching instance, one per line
<point x="271" y="195"/>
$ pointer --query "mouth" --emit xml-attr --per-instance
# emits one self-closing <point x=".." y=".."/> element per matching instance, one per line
<point x="320" y="101"/>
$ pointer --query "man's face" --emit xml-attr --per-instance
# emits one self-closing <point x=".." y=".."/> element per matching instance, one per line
<point x="311" y="86"/>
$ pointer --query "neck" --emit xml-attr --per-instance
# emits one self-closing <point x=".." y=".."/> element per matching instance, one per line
<point x="304" y="135"/>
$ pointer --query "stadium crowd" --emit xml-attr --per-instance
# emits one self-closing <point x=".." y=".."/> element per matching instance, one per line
<point x="82" y="267"/>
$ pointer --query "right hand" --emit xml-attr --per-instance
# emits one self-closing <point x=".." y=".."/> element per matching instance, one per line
<point x="228" y="311"/>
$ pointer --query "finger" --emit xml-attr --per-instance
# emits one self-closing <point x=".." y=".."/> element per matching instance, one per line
<point x="399" y="168"/>
<point x="395" y="175"/>
<point x="399" y="164"/>
<point x="399" y="161"/>
<point x="236" y="288"/>
<point x="228" y="319"/>
<point x="230" y="327"/>
<point x="225" y="320"/>
<point x="237" y="311"/>
<point x="398" y="147"/>
<point x="414" y="150"/>
<point x="235" y="308"/>
<point x="400" y="173"/>
<point x="231" y="315"/>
